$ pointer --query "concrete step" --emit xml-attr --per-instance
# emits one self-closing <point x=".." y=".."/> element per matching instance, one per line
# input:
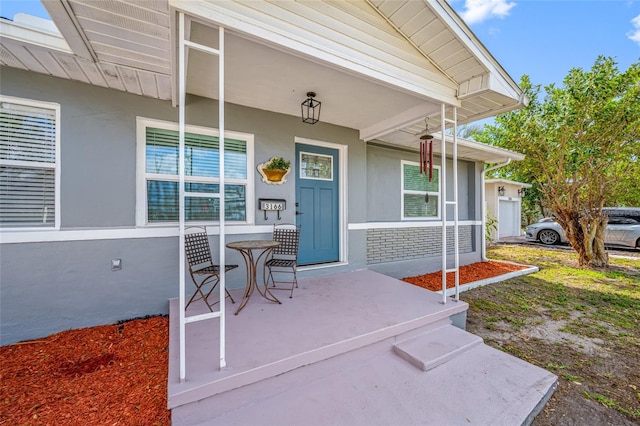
<point x="373" y="386"/>
<point x="434" y="348"/>
<point x="329" y="316"/>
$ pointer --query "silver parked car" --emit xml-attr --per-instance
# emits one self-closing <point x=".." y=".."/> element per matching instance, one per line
<point x="623" y="229"/>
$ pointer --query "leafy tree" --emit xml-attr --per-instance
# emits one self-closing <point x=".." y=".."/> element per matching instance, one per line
<point x="581" y="142"/>
<point x="466" y="131"/>
<point x="625" y="190"/>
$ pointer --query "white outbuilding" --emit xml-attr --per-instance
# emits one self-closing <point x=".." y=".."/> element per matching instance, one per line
<point x="504" y="203"/>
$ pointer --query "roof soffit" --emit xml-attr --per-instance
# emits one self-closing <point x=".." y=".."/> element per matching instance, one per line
<point x="506" y="85"/>
<point x="373" y="74"/>
<point x="345" y="35"/>
<point x="62" y="14"/>
<point x="435" y="30"/>
<point x="35" y="31"/>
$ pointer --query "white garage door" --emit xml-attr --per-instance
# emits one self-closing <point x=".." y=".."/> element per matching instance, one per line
<point x="509" y="218"/>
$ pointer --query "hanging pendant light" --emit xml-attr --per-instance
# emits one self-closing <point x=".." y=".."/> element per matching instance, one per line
<point x="310" y="109"/>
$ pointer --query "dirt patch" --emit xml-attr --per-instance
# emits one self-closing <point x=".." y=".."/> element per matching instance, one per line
<point x="551" y="332"/>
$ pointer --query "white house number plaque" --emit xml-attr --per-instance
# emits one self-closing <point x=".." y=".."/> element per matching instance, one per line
<point x="272" y="205"/>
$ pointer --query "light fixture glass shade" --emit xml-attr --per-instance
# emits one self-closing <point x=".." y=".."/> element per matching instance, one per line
<point x="310" y="109"/>
<point x="501" y="190"/>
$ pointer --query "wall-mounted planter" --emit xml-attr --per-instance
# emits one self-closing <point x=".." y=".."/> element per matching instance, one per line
<point x="274" y="176"/>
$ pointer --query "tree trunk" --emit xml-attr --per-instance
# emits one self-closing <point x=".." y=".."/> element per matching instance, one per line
<point x="593" y="253"/>
<point x="600" y="256"/>
<point x="586" y="237"/>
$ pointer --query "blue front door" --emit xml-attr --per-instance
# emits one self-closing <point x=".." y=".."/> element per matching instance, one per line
<point x="317" y="204"/>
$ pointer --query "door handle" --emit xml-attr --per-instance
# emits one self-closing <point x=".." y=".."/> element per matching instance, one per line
<point x="298" y="213"/>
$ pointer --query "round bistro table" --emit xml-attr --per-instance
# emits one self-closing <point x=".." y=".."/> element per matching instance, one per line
<point x="247" y="249"/>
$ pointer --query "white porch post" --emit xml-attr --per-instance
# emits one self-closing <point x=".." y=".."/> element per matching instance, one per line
<point x="183" y="44"/>
<point x="181" y="109"/>
<point x="443" y="201"/>
<point x="454" y="202"/>
<point x="222" y="239"/>
<point x="456" y="228"/>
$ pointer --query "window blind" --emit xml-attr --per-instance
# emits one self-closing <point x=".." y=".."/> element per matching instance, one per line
<point x="202" y="160"/>
<point x="415" y="181"/>
<point x="202" y="156"/>
<point x="27" y="174"/>
<point x="416" y="205"/>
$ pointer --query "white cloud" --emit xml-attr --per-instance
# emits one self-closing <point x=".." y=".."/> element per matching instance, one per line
<point x="480" y="10"/>
<point x="635" y="33"/>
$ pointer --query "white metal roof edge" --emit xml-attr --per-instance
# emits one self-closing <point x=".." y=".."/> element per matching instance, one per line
<point x="28" y="34"/>
<point x="494" y="150"/>
<point x="507" y="181"/>
<point x="493" y="154"/>
<point x="469" y="39"/>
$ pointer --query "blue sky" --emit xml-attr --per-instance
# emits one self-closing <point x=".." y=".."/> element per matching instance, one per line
<point x="8" y="8"/>
<point x="543" y="39"/>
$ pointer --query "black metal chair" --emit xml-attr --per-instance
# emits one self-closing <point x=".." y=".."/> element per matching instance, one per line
<point x="284" y="258"/>
<point x="201" y="267"/>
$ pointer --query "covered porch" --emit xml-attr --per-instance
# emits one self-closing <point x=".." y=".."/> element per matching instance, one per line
<point x="351" y="348"/>
<point x="355" y="347"/>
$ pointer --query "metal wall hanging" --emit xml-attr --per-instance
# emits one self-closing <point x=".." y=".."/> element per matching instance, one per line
<point x="310" y="109"/>
<point x="426" y="153"/>
<point x="274" y="171"/>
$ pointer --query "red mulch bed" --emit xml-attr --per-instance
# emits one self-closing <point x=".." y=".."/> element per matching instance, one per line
<point x="117" y="374"/>
<point x="106" y="375"/>
<point x="468" y="273"/>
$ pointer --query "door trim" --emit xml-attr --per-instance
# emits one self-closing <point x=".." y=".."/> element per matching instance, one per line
<point x="342" y="193"/>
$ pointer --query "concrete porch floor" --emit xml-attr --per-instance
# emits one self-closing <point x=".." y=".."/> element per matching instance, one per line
<point x="375" y="350"/>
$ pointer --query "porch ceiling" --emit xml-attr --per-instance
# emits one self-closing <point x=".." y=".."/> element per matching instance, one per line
<point x="271" y="79"/>
<point x="379" y="66"/>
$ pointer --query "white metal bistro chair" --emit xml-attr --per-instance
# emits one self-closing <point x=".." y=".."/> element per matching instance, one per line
<point x="284" y="258"/>
<point x="201" y="267"/>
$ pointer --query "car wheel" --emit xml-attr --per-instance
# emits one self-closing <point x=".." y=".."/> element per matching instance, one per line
<point x="549" y="237"/>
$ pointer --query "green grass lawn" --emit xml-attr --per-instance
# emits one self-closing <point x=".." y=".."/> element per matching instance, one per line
<point x="581" y="324"/>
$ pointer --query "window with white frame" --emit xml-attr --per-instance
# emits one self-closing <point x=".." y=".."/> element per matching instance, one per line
<point x="29" y="164"/>
<point x="158" y="193"/>
<point x="420" y="198"/>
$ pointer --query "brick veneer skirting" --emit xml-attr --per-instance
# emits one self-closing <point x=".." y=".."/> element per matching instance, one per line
<point x="389" y="244"/>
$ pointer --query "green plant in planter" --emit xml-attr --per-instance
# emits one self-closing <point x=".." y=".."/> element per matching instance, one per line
<point x="278" y="163"/>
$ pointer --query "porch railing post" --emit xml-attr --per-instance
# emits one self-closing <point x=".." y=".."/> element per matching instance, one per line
<point x="181" y="112"/>
<point x="222" y="239"/>
<point x="454" y="202"/>
<point x="182" y="46"/>
<point x="443" y="202"/>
